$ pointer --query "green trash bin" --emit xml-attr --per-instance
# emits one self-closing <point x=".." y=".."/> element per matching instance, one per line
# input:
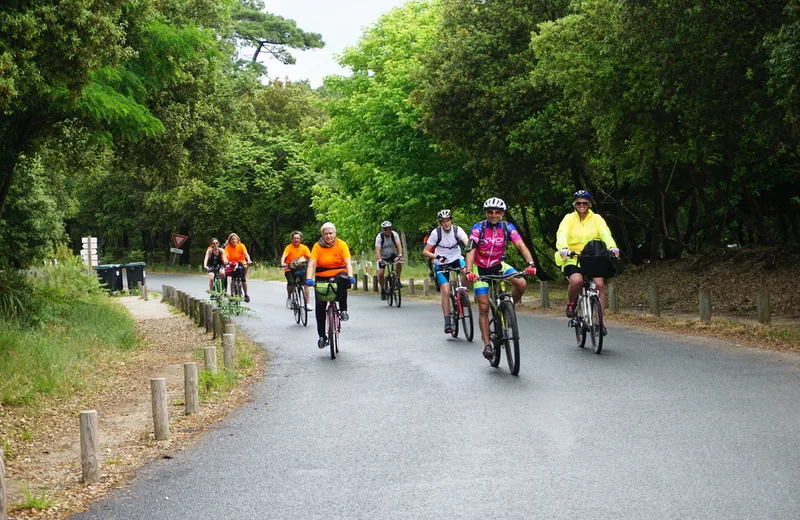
<point x="135" y="273"/>
<point x="111" y="276"/>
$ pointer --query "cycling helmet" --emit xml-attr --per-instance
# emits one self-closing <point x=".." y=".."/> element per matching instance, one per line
<point x="494" y="203"/>
<point x="445" y="213"/>
<point x="386" y="224"/>
<point x="582" y="194"/>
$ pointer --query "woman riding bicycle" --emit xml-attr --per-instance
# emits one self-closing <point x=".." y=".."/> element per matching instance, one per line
<point x="490" y="238"/>
<point x="214" y="261"/>
<point x="330" y="258"/>
<point x="236" y="252"/>
<point x="575" y="231"/>
<point x="444" y="248"/>
<point x="295" y="253"/>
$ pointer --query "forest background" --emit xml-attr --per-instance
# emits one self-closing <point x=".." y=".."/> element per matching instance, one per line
<point x="133" y="120"/>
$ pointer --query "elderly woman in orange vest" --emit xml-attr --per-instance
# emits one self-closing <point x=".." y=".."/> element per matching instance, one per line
<point x="330" y="258"/>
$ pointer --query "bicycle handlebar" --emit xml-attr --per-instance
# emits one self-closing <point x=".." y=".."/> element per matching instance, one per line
<point x="489" y="277"/>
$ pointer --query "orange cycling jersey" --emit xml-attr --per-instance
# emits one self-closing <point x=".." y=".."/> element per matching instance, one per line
<point x="330" y="260"/>
<point x="293" y="253"/>
<point x="237" y="253"/>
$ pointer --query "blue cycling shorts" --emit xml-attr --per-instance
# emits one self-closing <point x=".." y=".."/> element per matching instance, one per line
<point x="443" y="278"/>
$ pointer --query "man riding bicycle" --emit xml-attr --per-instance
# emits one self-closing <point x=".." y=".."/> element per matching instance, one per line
<point x="487" y="250"/>
<point x="575" y="231"/>
<point x="444" y="248"/>
<point x="237" y="253"/>
<point x="330" y="258"/>
<point x="295" y="252"/>
<point x="388" y="249"/>
<point x="214" y="261"/>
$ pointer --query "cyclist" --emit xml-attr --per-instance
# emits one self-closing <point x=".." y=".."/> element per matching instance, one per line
<point x="295" y="252"/>
<point x="488" y="241"/>
<point x="330" y="257"/>
<point x="214" y="260"/>
<point x="444" y="249"/>
<point x="237" y="252"/>
<point x="429" y="261"/>
<point x="576" y="229"/>
<point x="388" y="249"/>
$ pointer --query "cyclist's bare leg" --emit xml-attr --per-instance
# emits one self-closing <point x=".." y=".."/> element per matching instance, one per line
<point x="244" y="286"/>
<point x="305" y="288"/>
<point x="380" y="278"/>
<point x="483" y="318"/>
<point x="519" y="288"/>
<point x="601" y="288"/>
<point x="445" y="288"/>
<point x="211" y="280"/>
<point x="575" y="285"/>
<point x="399" y="270"/>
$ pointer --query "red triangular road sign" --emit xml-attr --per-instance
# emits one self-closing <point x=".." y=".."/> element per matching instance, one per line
<point x="178" y="239"/>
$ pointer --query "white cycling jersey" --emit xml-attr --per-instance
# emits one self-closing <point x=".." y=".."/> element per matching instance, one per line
<point x="449" y="245"/>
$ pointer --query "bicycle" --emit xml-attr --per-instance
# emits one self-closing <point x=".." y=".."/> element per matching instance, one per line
<point x="333" y="325"/>
<point x="391" y="284"/>
<point x="298" y="302"/>
<point x="589" y="309"/>
<point x="460" y="307"/>
<point x="219" y="289"/>
<point x="237" y="277"/>
<point x="504" y="332"/>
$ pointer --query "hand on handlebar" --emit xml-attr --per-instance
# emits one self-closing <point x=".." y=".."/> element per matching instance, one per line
<point x="310" y="282"/>
<point x="472" y="277"/>
<point x="615" y="251"/>
<point x="352" y="280"/>
<point x="565" y="253"/>
<point x="441" y="258"/>
<point x="530" y="271"/>
<point x="381" y="263"/>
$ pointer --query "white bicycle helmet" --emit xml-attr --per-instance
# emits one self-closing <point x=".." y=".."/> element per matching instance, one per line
<point x="386" y="224"/>
<point x="445" y="213"/>
<point x="494" y="203"/>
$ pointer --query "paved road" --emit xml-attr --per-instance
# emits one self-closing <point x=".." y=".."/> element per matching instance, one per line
<point x="407" y="423"/>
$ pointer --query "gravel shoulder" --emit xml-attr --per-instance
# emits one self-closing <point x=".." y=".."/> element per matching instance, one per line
<point x="47" y="462"/>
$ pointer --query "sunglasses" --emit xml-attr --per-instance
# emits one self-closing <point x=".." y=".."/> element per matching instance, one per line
<point x="494" y="212"/>
<point x="581" y="203"/>
<point x="214" y="243"/>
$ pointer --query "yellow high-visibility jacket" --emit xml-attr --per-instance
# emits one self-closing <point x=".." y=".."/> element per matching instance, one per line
<point x="573" y="234"/>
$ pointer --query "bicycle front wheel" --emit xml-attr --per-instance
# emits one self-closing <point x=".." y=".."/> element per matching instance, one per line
<point x="597" y="324"/>
<point x="511" y="337"/>
<point x="496" y="326"/>
<point x="387" y="288"/>
<point x="295" y="305"/>
<point x="578" y="322"/>
<point x="454" y="313"/>
<point x="466" y="315"/>
<point x="301" y="300"/>
<point x="397" y="294"/>
<point x="333" y="335"/>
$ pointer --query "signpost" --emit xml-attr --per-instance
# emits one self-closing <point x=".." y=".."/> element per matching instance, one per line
<point x="176" y="251"/>
<point x="89" y="252"/>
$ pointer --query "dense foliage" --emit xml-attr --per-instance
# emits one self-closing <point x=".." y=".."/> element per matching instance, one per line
<point x="681" y="116"/>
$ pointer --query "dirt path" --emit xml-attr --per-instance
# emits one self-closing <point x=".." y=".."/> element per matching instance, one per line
<point x="45" y="454"/>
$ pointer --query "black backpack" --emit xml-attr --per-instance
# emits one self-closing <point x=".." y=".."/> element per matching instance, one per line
<point x="506" y="233"/>
<point x="393" y="240"/>
<point x="439" y="235"/>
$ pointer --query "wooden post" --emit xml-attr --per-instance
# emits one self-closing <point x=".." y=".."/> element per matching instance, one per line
<point x="230" y="328"/>
<point x="199" y="313"/>
<point x="411" y="286"/>
<point x="158" y="391"/>
<point x="210" y="354"/>
<point x="425" y="285"/>
<point x="191" y="307"/>
<point x="364" y="282"/>
<point x="613" y="297"/>
<point x="90" y="461"/>
<point x="228" y="352"/>
<point x="209" y="316"/>
<point x="146" y="292"/>
<point x="141" y="292"/>
<point x="216" y="323"/>
<point x="191" y="394"/>
<point x="655" y="308"/>
<point x="374" y="284"/>
<point x="163" y="293"/>
<point x="705" y="305"/>
<point x="3" y="502"/>
<point x="764" y="309"/>
<point x="179" y="300"/>
<point x="544" y="287"/>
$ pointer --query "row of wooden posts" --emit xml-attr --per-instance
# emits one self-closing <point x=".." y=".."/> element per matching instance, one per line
<point x="654" y="304"/>
<point x="204" y="315"/>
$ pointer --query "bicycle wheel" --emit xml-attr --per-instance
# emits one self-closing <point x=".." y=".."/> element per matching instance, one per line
<point x="295" y="305"/>
<point x="454" y="316"/>
<point x="330" y="326"/>
<point x="237" y="290"/>
<point x="387" y="287"/>
<point x="511" y="337"/>
<point x="466" y="315"/>
<point x="397" y="295"/>
<point x="578" y="322"/>
<point x="301" y="301"/>
<point x="597" y="324"/>
<point x="497" y="336"/>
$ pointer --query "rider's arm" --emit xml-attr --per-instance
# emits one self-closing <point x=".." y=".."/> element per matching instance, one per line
<point x="310" y="267"/>
<point x="224" y="257"/>
<point x="349" y="264"/>
<point x="523" y="250"/>
<point x="247" y="255"/>
<point x="378" y="252"/>
<point x="605" y="232"/>
<point x="205" y="259"/>
<point x="469" y="259"/>
<point x="428" y="252"/>
<point x="399" y="244"/>
<point x="283" y="258"/>
<point x="563" y="232"/>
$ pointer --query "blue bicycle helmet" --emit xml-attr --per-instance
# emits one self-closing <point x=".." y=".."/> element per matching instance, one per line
<point x="582" y="194"/>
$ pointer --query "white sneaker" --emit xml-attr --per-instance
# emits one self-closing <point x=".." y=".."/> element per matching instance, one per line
<point x="309" y="307"/>
<point x="288" y="303"/>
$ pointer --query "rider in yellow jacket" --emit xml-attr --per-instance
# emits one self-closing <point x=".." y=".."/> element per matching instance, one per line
<point x="575" y="231"/>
